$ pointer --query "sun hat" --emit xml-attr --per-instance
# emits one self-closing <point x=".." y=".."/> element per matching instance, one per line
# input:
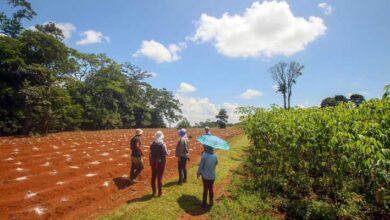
<point x="207" y="128"/>
<point x="159" y="137"/>
<point x="139" y="131"/>
<point x="182" y="132"/>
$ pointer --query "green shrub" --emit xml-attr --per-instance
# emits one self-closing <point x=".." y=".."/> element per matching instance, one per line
<point x="309" y="156"/>
<point x="320" y="210"/>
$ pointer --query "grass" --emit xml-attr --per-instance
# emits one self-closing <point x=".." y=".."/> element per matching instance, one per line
<point x="185" y="199"/>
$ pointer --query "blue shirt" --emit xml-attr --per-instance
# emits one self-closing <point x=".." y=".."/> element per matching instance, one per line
<point x="207" y="166"/>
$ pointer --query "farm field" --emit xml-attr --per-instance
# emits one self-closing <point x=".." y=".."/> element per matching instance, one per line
<point x="72" y="175"/>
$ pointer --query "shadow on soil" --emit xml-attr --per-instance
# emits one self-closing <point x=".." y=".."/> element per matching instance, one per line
<point x="170" y="184"/>
<point x="141" y="199"/>
<point x="121" y="182"/>
<point x="192" y="205"/>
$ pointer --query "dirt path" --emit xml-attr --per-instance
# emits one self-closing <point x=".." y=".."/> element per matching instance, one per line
<point x="76" y="175"/>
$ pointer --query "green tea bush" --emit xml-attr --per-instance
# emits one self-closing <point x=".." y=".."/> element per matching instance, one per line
<point x="323" y="156"/>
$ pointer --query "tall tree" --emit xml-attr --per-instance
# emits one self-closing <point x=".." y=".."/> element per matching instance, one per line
<point x="285" y="75"/>
<point x="340" y="99"/>
<point x="222" y="118"/>
<point x="357" y="99"/>
<point x="222" y="115"/>
<point x="328" y="102"/>
<point x="13" y="26"/>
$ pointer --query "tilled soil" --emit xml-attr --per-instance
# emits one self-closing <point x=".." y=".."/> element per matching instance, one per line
<point x="73" y="175"/>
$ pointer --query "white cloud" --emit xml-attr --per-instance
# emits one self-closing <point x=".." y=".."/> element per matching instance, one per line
<point x="92" y="37"/>
<point x="275" y="88"/>
<point x="158" y="52"/>
<point x="251" y="93"/>
<point x="186" y="88"/>
<point x="265" y="29"/>
<point x="67" y="29"/>
<point x="328" y="9"/>
<point x="197" y="109"/>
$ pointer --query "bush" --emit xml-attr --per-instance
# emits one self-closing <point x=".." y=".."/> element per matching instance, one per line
<point x="319" y="210"/>
<point x="326" y="162"/>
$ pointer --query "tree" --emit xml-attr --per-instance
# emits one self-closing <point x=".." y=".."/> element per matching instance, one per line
<point x="357" y="99"/>
<point x="222" y="118"/>
<point x="386" y="93"/>
<point x="222" y="115"/>
<point x="184" y="123"/>
<point x="328" y="102"/>
<point x="51" y="29"/>
<point x="47" y="87"/>
<point x="285" y="75"/>
<point x="13" y="26"/>
<point x="340" y="99"/>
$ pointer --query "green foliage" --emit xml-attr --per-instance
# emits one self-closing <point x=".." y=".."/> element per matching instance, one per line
<point x="357" y="99"/>
<point x="323" y="162"/>
<point x="319" y="210"/>
<point x="386" y="93"/>
<point x="328" y="102"/>
<point x="13" y="26"/>
<point x="47" y="87"/>
<point x="340" y="99"/>
<point x="222" y="115"/>
<point x="184" y="123"/>
<point x="207" y="123"/>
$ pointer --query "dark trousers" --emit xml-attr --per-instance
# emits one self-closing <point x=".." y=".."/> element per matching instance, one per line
<point x="158" y="167"/>
<point x="208" y="188"/>
<point x="136" y="167"/>
<point x="182" y="166"/>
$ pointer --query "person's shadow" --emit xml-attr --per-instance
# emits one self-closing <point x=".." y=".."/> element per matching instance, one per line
<point x="121" y="182"/>
<point x="192" y="205"/>
<point x="141" y="199"/>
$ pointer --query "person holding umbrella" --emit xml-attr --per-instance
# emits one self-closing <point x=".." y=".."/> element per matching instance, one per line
<point x="137" y="164"/>
<point x="208" y="164"/>
<point x="182" y="155"/>
<point x="158" y="153"/>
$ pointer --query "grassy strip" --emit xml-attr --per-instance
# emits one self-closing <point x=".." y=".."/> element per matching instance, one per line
<point x="186" y="198"/>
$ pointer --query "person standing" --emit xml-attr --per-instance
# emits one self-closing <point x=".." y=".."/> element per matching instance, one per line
<point x="207" y="130"/>
<point x="182" y="155"/>
<point x="158" y="153"/>
<point x="206" y="169"/>
<point x="137" y="164"/>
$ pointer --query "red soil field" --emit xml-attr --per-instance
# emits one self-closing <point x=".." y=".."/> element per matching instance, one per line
<point x="78" y="175"/>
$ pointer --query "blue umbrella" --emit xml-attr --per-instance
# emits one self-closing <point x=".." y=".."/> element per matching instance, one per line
<point x="213" y="141"/>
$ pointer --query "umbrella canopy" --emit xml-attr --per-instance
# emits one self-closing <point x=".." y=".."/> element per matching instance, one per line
<point x="214" y="142"/>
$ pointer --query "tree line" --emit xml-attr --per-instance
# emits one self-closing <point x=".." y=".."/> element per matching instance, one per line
<point x="221" y="121"/>
<point x="46" y="86"/>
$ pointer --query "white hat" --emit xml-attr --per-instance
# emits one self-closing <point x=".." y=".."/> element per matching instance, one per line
<point x="159" y="137"/>
<point x="139" y="131"/>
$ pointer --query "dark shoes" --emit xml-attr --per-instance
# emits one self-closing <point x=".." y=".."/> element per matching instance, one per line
<point x="180" y="182"/>
<point x="205" y="206"/>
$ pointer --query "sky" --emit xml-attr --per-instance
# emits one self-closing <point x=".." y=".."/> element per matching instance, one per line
<point x="216" y="54"/>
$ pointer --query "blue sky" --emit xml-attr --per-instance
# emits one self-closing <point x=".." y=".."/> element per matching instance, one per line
<point x="215" y="58"/>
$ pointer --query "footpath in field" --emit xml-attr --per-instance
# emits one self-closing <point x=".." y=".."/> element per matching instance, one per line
<point x="183" y="202"/>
